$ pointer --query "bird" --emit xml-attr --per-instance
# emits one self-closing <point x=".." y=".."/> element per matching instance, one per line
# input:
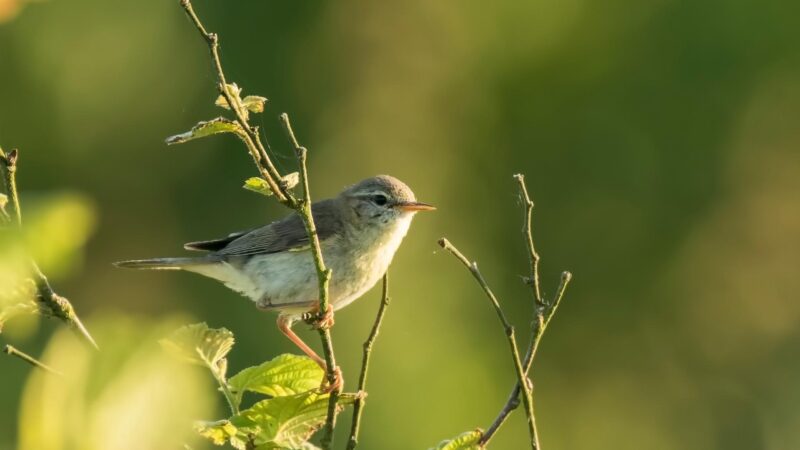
<point x="359" y="232"/>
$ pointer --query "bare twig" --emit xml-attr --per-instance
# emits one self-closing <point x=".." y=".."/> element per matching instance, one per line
<point x="50" y="303"/>
<point x="9" y="350"/>
<point x="358" y="407"/>
<point x="542" y="315"/>
<point x="533" y="255"/>
<point x="522" y="379"/>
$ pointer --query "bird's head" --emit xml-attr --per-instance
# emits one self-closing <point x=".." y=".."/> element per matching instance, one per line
<point x="382" y="200"/>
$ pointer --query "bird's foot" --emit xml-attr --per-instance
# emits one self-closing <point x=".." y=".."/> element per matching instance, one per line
<point x="320" y="321"/>
<point x="338" y="382"/>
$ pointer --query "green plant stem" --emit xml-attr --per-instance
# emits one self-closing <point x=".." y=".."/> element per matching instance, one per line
<point x="358" y="407"/>
<point x="226" y="390"/>
<point x="510" y="335"/>
<point x="9" y="350"/>
<point x="50" y="303"/>
<point x="324" y="277"/>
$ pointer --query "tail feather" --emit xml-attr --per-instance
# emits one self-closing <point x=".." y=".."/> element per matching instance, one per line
<point x="164" y="263"/>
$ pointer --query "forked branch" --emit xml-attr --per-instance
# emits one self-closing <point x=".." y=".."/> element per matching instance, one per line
<point x="522" y="379"/>
<point x="543" y="312"/>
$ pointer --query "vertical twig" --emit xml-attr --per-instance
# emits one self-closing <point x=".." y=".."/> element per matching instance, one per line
<point x="526" y="231"/>
<point x="324" y="277"/>
<point x="51" y="303"/>
<point x="358" y="407"/>
<point x="522" y="379"/>
<point x="9" y="350"/>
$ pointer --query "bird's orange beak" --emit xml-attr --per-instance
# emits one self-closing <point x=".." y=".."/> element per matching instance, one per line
<point x="415" y="206"/>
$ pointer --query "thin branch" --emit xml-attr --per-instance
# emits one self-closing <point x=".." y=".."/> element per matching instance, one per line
<point x="512" y="341"/>
<point x="252" y="138"/>
<point x="9" y="350"/>
<point x="323" y="275"/>
<point x="51" y="303"/>
<point x="533" y="255"/>
<point x="542" y="315"/>
<point x="358" y="407"/>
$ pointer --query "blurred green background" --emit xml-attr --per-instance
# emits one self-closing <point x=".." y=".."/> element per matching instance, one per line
<point x="660" y="142"/>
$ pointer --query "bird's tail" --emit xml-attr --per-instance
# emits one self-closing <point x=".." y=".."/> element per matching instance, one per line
<point x="165" y="263"/>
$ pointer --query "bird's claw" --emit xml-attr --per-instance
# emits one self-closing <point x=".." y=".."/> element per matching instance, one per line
<point x="320" y="321"/>
<point x="338" y="382"/>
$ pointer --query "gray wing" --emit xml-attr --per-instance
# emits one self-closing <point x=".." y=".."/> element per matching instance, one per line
<point x="285" y="234"/>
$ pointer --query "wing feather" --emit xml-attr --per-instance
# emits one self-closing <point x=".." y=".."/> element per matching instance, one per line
<point x="286" y="234"/>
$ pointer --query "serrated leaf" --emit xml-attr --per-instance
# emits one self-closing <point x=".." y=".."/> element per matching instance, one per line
<point x="208" y="128"/>
<point x="199" y="344"/>
<point x="464" y="441"/>
<point x="283" y="375"/>
<point x="285" y="422"/>
<point x="217" y="432"/>
<point x="260" y="185"/>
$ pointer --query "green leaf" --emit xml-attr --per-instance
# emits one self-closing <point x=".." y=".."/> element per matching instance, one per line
<point x="198" y="344"/>
<point x="208" y="128"/>
<point x="464" y="441"/>
<point x="217" y="432"/>
<point x="283" y="375"/>
<point x="285" y="422"/>
<point x="259" y="185"/>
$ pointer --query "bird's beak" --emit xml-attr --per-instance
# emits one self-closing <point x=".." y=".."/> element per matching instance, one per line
<point x="415" y="206"/>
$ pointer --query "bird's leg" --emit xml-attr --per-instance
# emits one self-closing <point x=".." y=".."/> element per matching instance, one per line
<point x="324" y="322"/>
<point x="285" y="325"/>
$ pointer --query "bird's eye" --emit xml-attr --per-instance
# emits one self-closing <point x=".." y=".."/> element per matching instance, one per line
<point x="380" y="199"/>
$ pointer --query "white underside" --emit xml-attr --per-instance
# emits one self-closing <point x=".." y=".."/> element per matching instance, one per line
<point x="287" y="281"/>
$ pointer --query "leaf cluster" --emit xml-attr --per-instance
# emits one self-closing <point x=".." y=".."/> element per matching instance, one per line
<point x="287" y="418"/>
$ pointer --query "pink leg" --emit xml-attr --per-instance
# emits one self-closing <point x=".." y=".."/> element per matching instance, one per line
<point x="285" y="325"/>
